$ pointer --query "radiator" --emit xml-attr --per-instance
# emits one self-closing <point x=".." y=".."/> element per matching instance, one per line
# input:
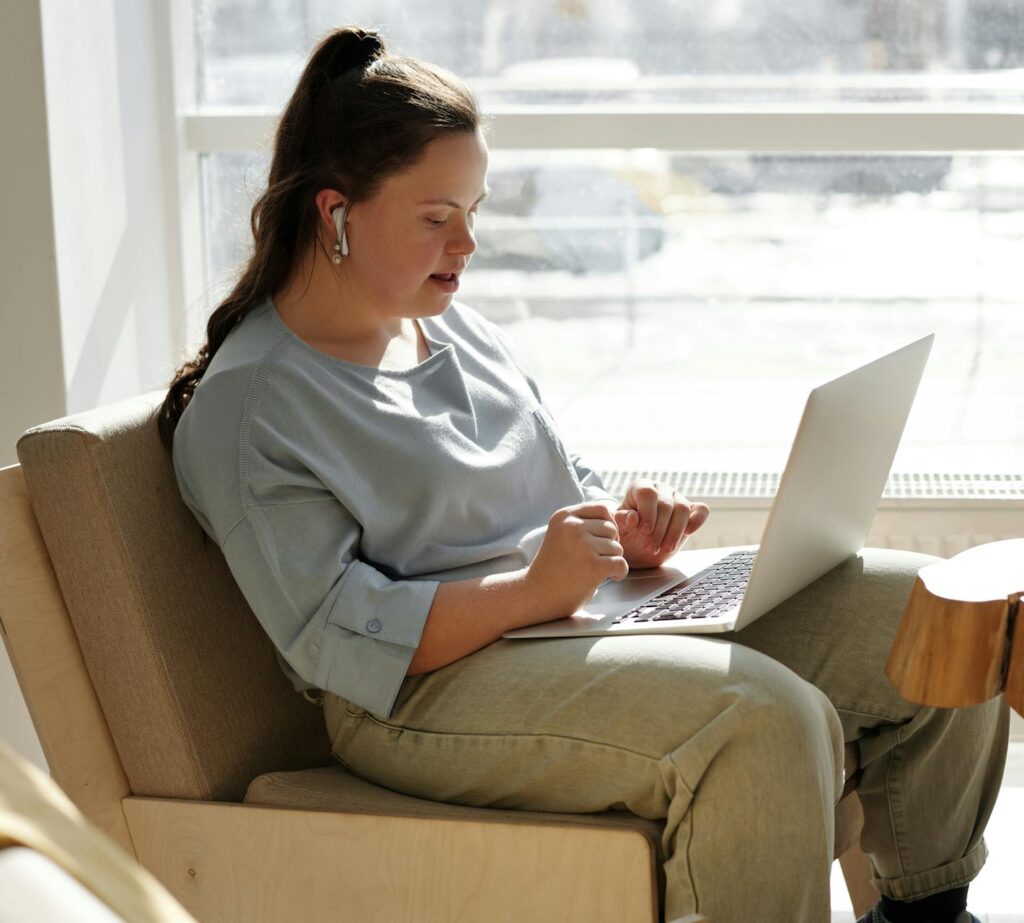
<point x="940" y="514"/>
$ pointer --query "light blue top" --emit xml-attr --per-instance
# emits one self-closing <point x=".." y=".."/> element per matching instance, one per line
<point x="341" y="495"/>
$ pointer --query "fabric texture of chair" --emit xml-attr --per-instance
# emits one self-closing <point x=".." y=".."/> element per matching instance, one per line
<point x="166" y="635"/>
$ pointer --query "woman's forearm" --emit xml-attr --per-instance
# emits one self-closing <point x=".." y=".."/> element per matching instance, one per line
<point x="467" y="615"/>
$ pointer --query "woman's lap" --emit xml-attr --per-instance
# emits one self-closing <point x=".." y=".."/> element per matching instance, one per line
<point x="642" y="694"/>
<point x="581" y="724"/>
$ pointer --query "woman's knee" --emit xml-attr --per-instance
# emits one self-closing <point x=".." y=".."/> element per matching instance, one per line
<point x="785" y="701"/>
<point x="876" y="580"/>
<point x="738" y="686"/>
<point x="846" y="619"/>
<point x="866" y="598"/>
<point x="785" y="721"/>
<point x="894" y="567"/>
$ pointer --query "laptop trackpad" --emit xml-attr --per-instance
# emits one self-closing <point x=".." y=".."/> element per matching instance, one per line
<point x="618" y="596"/>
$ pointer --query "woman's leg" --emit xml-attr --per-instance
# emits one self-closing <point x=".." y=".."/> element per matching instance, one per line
<point x="741" y="757"/>
<point x="930" y="776"/>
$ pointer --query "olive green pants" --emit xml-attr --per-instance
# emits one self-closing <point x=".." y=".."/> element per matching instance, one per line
<point x="735" y="740"/>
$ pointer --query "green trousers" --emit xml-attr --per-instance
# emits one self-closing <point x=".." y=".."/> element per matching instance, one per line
<point x="735" y="740"/>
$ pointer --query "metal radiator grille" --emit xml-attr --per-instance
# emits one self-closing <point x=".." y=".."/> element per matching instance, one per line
<point x="763" y="484"/>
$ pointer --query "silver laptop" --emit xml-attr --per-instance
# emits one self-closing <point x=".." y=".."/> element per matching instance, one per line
<point x="827" y="497"/>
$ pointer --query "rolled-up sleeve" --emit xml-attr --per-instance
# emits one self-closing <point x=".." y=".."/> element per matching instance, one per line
<point x="338" y="622"/>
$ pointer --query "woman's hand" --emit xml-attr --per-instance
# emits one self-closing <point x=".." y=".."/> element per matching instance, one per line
<point x="580" y="551"/>
<point x="653" y="522"/>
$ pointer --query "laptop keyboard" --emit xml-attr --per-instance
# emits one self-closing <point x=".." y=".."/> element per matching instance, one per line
<point x="710" y="593"/>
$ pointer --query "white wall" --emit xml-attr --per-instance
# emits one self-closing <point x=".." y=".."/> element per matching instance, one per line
<point x="87" y="237"/>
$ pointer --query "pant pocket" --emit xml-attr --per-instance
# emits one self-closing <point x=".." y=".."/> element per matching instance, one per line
<point x="341" y="718"/>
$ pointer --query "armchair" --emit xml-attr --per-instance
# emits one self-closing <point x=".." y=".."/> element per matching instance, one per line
<point x="164" y="716"/>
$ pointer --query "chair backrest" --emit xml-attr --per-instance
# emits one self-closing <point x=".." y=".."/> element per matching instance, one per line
<point x="194" y="699"/>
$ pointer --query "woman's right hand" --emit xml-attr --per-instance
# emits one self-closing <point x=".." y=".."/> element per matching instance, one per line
<point x="580" y="551"/>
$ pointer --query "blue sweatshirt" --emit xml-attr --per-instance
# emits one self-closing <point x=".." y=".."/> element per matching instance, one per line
<point x="341" y="495"/>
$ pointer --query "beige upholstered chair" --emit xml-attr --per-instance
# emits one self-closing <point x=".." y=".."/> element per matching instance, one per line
<point x="165" y="717"/>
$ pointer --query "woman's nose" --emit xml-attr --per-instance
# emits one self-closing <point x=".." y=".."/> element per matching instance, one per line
<point x="464" y="242"/>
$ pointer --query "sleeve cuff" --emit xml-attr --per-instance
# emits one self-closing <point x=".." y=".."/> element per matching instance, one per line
<point x="370" y="604"/>
<point x="371" y="635"/>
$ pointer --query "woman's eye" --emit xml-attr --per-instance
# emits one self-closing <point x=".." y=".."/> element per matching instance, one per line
<point x="434" y="222"/>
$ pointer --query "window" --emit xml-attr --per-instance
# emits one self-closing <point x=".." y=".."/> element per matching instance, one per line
<point x="758" y="195"/>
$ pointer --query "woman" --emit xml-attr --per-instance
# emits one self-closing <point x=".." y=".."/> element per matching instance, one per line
<point x="392" y="495"/>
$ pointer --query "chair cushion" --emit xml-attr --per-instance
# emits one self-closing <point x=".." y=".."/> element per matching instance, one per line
<point x="334" y="788"/>
<point x="196" y="702"/>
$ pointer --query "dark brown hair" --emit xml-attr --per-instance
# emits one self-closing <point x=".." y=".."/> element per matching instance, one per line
<point x="357" y="116"/>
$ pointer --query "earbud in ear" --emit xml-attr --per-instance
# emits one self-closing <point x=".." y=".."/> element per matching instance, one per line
<point x="341" y="245"/>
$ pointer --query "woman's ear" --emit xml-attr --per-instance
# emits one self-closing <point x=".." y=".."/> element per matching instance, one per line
<point x="331" y="208"/>
<point x="327" y="201"/>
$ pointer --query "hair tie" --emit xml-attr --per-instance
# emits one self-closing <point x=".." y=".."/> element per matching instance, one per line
<point x="372" y="46"/>
<point x="368" y="48"/>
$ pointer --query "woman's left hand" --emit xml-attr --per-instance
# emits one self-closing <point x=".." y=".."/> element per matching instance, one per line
<point x="653" y="522"/>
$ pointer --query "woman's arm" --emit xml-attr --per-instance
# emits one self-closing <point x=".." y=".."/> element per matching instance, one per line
<point x="467" y="615"/>
<point x="580" y="551"/>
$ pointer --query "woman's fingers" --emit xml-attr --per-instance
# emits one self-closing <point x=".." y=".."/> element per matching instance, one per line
<point x="597" y="523"/>
<point x="605" y="546"/>
<point x="665" y="517"/>
<point x="678" y="523"/>
<point x="603" y="528"/>
<point x="688" y="518"/>
<point x="699" y="513"/>
<point x="645" y="497"/>
<point x="656" y="504"/>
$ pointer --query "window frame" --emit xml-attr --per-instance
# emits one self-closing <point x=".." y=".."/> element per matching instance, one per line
<point x="841" y="128"/>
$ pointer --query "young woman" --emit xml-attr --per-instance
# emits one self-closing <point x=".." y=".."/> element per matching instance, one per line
<point x="391" y="494"/>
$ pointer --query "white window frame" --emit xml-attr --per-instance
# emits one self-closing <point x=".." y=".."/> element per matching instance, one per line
<point x="851" y="129"/>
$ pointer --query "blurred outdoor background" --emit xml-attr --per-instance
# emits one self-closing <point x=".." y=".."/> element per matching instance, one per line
<point x="677" y="306"/>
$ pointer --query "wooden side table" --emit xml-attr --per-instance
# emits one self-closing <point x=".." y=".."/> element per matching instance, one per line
<point x="960" y="642"/>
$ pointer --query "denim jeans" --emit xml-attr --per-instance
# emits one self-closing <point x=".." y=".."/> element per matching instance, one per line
<point x="736" y="741"/>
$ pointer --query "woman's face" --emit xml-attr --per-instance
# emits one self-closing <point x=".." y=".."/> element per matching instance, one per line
<point x="418" y="225"/>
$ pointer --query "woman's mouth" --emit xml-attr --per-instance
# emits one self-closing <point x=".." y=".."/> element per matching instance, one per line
<point x="448" y="281"/>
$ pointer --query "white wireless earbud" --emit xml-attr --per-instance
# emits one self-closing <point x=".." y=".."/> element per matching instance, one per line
<point x="341" y="246"/>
